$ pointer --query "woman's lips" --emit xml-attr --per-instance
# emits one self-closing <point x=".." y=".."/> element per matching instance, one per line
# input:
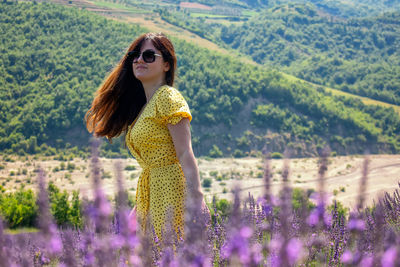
<point x="140" y="67"/>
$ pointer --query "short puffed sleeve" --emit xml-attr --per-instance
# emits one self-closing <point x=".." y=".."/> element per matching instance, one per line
<point x="171" y="106"/>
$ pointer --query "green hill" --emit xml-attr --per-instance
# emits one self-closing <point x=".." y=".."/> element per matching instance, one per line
<point x="358" y="55"/>
<point x="340" y="8"/>
<point x="54" y="58"/>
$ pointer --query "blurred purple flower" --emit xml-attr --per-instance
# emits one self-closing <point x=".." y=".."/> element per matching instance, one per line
<point x="246" y="232"/>
<point x="256" y="252"/>
<point x="389" y="257"/>
<point x="134" y="260"/>
<point x="356" y="224"/>
<point x="319" y="215"/>
<point x="347" y="257"/>
<point x="275" y="246"/>
<point x="199" y="261"/>
<point x="367" y="261"/>
<point x="294" y="249"/>
<point x="274" y="260"/>
<point x="238" y="244"/>
<point x="44" y="260"/>
<point x="117" y="242"/>
<point x="313" y="219"/>
<point x="89" y="259"/>
<point x="55" y="244"/>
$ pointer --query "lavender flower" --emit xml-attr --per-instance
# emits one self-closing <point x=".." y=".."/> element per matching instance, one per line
<point x="389" y="257"/>
<point x="294" y="250"/>
<point x="266" y="232"/>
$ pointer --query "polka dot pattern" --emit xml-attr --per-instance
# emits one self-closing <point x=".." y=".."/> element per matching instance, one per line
<point x="161" y="186"/>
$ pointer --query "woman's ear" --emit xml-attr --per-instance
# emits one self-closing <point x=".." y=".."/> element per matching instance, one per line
<point x="166" y="66"/>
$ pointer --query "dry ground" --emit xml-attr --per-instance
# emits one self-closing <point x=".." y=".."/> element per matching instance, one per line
<point x="342" y="179"/>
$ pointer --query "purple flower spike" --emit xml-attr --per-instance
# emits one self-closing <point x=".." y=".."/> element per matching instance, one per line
<point x="389" y="258"/>
<point x="199" y="261"/>
<point x="238" y="245"/>
<point x="327" y="219"/>
<point x="347" y="257"/>
<point x="313" y="218"/>
<point x="294" y="250"/>
<point x="256" y="251"/>
<point x="246" y="232"/>
<point x="356" y="224"/>
<point x="367" y="261"/>
<point x="55" y="244"/>
<point x="274" y="261"/>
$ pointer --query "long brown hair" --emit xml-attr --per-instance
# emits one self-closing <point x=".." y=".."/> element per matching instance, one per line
<point x="120" y="98"/>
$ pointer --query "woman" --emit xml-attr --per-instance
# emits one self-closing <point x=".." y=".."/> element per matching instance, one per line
<point x="138" y="99"/>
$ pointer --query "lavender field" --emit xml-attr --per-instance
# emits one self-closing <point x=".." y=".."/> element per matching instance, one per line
<point x="269" y="231"/>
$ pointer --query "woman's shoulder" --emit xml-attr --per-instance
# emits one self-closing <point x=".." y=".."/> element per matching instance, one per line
<point x="169" y="94"/>
<point x="171" y="103"/>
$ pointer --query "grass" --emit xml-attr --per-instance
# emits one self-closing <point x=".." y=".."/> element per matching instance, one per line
<point x="21" y="230"/>
<point x="203" y="15"/>
<point x="249" y="13"/>
<point x="121" y="7"/>
<point x="365" y="100"/>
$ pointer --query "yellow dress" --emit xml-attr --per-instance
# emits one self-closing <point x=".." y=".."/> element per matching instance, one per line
<point x="161" y="185"/>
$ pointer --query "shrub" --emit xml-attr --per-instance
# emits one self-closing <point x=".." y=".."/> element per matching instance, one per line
<point x="223" y="207"/>
<point x="300" y="198"/>
<point x="106" y="175"/>
<point x="19" y="209"/>
<point x="206" y="183"/>
<point x="213" y="173"/>
<point x="238" y="153"/>
<point x="215" y="152"/>
<point x="70" y="166"/>
<point x="60" y="208"/>
<point x="75" y="212"/>
<point x="335" y="192"/>
<point x="276" y="155"/>
<point x="130" y="168"/>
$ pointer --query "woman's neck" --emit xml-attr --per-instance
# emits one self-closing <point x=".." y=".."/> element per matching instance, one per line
<point x="151" y="87"/>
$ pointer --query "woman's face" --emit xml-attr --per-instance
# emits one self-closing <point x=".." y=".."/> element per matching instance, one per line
<point x="149" y="72"/>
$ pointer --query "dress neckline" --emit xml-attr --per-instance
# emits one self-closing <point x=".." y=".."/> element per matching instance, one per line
<point x="145" y="106"/>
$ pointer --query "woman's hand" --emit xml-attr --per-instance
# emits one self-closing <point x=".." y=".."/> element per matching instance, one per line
<point x="132" y="214"/>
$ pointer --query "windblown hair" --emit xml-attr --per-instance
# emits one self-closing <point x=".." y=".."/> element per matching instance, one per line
<point x="120" y="98"/>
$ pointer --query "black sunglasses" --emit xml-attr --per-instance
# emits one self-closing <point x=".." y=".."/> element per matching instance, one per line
<point x="149" y="56"/>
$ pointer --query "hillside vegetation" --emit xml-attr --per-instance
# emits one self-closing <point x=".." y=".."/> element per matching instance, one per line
<point x="54" y="58"/>
<point x="358" y="55"/>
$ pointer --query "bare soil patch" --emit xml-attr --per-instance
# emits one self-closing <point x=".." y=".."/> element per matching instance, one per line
<point x="341" y="183"/>
<point x="194" y="6"/>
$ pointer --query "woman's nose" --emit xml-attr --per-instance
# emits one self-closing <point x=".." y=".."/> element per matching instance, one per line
<point x="140" y="58"/>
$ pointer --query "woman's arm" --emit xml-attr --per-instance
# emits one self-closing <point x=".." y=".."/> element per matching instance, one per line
<point x="181" y="137"/>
